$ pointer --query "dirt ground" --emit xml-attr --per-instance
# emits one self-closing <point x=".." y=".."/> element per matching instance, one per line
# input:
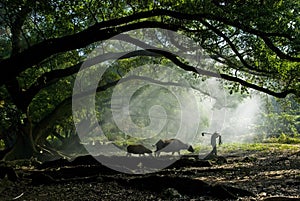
<point x="266" y="175"/>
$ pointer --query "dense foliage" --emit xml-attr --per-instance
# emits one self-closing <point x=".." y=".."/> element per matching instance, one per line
<point x="254" y="44"/>
<point x="280" y="119"/>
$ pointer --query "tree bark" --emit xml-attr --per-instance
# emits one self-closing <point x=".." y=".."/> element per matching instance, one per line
<point x="25" y="147"/>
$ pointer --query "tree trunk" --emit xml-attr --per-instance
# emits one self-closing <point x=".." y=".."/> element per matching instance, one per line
<point x="24" y="148"/>
<point x="63" y="110"/>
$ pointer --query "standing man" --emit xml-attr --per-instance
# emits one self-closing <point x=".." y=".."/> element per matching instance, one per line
<point x="213" y="141"/>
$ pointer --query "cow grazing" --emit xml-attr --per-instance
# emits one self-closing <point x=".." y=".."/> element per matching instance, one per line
<point x="171" y="145"/>
<point x="138" y="149"/>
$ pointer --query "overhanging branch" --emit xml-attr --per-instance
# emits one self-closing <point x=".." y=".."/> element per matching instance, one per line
<point x="175" y="60"/>
<point x="51" y="77"/>
<point x="104" y="30"/>
<point x="37" y="53"/>
<point x="187" y="67"/>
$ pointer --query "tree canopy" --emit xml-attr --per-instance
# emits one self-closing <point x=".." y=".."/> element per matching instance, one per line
<point x="44" y="43"/>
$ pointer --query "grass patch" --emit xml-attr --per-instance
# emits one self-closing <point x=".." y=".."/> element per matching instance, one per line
<point x="284" y="139"/>
<point x="263" y="147"/>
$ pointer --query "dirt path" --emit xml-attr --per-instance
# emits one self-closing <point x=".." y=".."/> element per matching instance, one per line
<point x="265" y="174"/>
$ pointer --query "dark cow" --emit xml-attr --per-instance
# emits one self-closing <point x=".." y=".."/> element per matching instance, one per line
<point x="171" y="145"/>
<point x="138" y="149"/>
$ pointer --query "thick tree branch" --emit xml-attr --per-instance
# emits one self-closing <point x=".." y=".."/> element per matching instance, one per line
<point x="104" y="30"/>
<point x="187" y="67"/>
<point x="175" y="60"/>
<point x="37" y="53"/>
<point x="13" y="86"/>
<point x="277" y="51"/>
<point x="51" y="77"/>
<point x="234" y="49"/>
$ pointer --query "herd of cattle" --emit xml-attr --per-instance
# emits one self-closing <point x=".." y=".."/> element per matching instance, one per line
<point x="169" y="145"/>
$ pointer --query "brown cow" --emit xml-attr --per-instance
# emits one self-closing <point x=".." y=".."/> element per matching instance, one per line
<point x="171" y="145"/>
